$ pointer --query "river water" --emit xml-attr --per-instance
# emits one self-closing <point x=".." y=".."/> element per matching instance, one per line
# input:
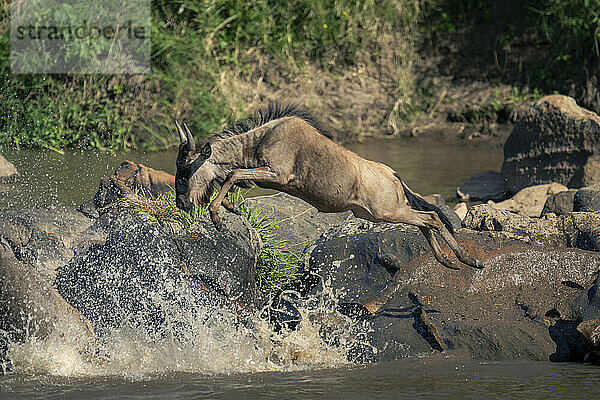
<point x="222" y="360"/>
<point x="50" y="178"/>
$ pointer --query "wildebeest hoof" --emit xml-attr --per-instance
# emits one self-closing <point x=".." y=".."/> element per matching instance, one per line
<point x="354" y="310"/>
<point x="218" y="224"/>
<point x="216" y="220"/>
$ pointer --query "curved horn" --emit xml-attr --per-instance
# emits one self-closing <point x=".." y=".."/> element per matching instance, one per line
<point x="190" y="139"/>
<point x="181" y="133"/>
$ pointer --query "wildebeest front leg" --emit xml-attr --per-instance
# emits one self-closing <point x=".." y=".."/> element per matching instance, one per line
<point x="231" y="207"/>
<point x="262" y="174"/>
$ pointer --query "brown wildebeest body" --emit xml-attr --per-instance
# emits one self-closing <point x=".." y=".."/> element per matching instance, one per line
<point x="282" y="148"/>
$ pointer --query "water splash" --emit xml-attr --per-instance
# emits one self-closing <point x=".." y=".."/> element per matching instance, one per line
<point x="207" y="340"/>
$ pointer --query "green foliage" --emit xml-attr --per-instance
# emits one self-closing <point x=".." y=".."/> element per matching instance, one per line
<point x="573" y="26"/>
<point x="193" y="42"/>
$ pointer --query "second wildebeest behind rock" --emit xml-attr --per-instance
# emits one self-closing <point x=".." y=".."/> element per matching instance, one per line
<point x="283" y="148"/>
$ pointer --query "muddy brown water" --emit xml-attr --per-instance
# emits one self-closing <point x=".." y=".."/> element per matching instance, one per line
<point x="229" y="364"/>
<point x="50" y="178"/>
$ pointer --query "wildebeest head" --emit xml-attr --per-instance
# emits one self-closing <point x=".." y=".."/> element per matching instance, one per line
<point x="189" y="186"/>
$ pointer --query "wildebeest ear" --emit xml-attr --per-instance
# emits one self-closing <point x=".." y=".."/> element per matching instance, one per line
<point x="206" y="151"/>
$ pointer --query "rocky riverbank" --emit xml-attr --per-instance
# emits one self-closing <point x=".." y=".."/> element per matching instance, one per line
<point x="536" y="299"/>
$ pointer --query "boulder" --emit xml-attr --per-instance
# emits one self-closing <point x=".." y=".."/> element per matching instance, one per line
<point x="590" y="333"/>
<point x="505" y="224"/>
<point x="142" y="274"/>
<point x="587" y="199"/>
<point x="8" y="172"/>
<point x="530" y="201"/>
<point x="30" y="307"/>
<point x="484" y="186"/>
<point x="581" y="230"/>
<point x="576" y="229"/>
<point x="559" y="203"/>
<point x="556" y="141"/>
<point x="46" y="237"/>
<point x="518" y="307"/>
<point x="586" y="308"/>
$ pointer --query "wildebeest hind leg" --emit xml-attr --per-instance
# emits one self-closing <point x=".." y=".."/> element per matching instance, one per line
<point x="431" y="220"/>
<point x="435" y="247"/>
<point x="262" y="174"/>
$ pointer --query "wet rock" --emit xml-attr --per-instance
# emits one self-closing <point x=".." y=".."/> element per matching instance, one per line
<point x="8" y="172"/>
<point x="590" y="332"/>
<point x="484" y="186"/>
<point x="556" y="141"/>
<point x="530" y="201"/>
<point x="45" y="237"/>
<point x="587" y="305"/>
<point x="515" y="308"/>
<point x="587" y="199"/>
<point x="128" y="178"/>
<point x="581" y="230"/>
<point x="30" y="307"/>
<point x="140" y="273"/>
<point x="227" y="257"/>
<point x="559" y="203"/>
<point x="506" y="224"/>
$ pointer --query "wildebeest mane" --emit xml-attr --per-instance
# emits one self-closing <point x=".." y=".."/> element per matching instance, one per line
<point x="267" y="114"/>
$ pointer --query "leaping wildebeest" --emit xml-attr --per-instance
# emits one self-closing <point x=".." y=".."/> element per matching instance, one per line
<point x="283" y="148"/>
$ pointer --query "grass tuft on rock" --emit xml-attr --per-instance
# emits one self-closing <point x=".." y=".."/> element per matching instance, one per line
<point x="276" y="266"/>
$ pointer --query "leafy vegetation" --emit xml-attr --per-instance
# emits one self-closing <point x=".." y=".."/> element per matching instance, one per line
<point x="276" y="266"/>
<point x="201" y="47"/>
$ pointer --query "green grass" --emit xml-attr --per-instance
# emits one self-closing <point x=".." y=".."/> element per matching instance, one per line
<point x="203" y="49"/>
<point x="195" y="45"/>
<point x="276" y="266"/>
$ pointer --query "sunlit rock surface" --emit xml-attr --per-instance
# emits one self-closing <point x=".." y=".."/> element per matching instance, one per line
<point x="556" y="141"/>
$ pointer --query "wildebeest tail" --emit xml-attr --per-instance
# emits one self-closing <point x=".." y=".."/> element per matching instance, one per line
<point x="419" y="203"/>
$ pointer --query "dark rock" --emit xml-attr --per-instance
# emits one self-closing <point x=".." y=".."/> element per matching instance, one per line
<point x="559" y="203"/>
<point x="587" y="304"/>
<point x="500" y="312"/>
<point x="556" y="141"/>
<point x="8" y="172"/>
<point x="587" y="199"/>
<point x="590" y="332"/>
<point x="31" y="308"/>
<point x="581" y="230"/>
<point x="484" y="186"/>
<point x="138" y="274"/>
<point x="228" y="257"/>
<point x="45" y="237"/>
